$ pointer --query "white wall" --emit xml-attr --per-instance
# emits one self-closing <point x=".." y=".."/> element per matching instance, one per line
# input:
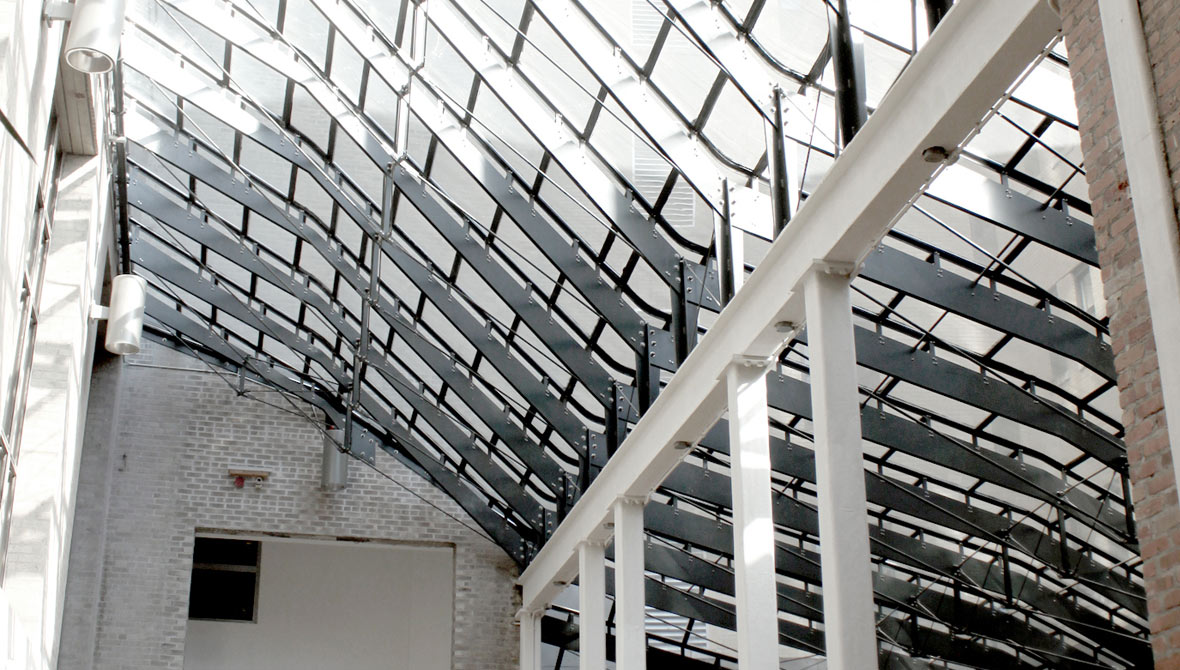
<point x="338" y="605"/>
<point x="31" y="597"/>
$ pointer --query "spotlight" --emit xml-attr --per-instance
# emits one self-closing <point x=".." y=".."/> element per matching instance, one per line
<point x="125" y="314"/>
<point x="95" y="32"/>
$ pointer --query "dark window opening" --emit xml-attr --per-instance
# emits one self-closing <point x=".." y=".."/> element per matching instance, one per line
<point x="224" y="584"/>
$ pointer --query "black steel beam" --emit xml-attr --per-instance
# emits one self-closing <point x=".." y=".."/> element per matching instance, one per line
<point x="848" y="62"/>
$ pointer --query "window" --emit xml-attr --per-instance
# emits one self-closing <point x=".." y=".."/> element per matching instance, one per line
<point x="14" y="394"/>
<point x="224" y="583"/>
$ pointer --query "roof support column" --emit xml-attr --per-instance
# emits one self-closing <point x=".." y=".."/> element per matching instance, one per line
<point x="935" y="10"/>
<point x="360" y="360"/>
<point x="731" y="265"/>
<point x="630" y="630"/>
<point x="849" y="614"/>
<point x="780" y="153"/>
<point x="592" y="605"/>
<point x="848" y="61"/>
<point x="530" y="639"/>
<point x="753" y="521"/>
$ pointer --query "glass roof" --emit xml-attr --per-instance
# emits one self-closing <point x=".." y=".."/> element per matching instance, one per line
<point x="481" y="234"/>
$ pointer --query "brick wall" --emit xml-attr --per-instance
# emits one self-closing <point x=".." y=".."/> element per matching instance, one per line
<point x="1153" y="483"/>
<point x="177" y="433"/>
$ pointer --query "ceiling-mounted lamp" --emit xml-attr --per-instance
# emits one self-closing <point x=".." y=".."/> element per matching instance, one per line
<point x="96" y="28"/>
<point x="125" y="314"/>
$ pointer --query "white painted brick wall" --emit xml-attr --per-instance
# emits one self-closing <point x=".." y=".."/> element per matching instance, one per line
<point x="177" y="434"/>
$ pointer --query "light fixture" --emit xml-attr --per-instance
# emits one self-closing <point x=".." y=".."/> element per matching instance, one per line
<point x="240" y="477"/>
<point x="935" y="154"/>
<point x="334" y="466"/>
<point x="95" y="32"/>
<point x="125" y="314"/>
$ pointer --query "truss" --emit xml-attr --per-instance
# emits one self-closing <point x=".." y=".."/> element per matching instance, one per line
<point x="483" y="236"/>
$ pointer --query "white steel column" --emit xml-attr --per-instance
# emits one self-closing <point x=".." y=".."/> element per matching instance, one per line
<point x="530" y="639"/>
<point x="592" y="605"/>
<point x="1151" y="194"/>
<point x="630" y="631"/>
<point x="756" y="591"/>
<point x="849" y="616"/>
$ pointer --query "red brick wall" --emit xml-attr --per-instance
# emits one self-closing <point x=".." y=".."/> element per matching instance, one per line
<point x="1153" y="484"/>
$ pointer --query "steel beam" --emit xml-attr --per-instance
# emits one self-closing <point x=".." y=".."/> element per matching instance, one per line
<point x="937" y="101"/>
<point x="935" y="10"/>
<point x="290" y="147"/>
<point x="848" y="64"/>
<point x="174" y="148"/>
<point x="614" y="70"/>
<point x="982" y="197"/>
<point x="555" y="134"/>
<point x="890" y="592"/>
<point x="973" y="573"/>
<point x="976" y="300"/>
<point x="414" y="187"/>
<point x="1012" y="210"/>
<point x="497" y="527"/>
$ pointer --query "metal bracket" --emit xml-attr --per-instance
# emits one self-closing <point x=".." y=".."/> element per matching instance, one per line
<point x="364" y="446"/>
<point x="753" y="361"/>
<point x="839" y="268"/>
<point x="57" y="11"/>
<point x="99" y="312"/>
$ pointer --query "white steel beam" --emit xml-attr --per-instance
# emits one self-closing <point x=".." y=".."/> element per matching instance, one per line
<point x="630" y="625"/>
<point x="1151" y="194"/>
<point x="849" y="614"/>
<point x="592" y="606"/>
<point x="755" y="586"/>
<point x="975" y="55"/>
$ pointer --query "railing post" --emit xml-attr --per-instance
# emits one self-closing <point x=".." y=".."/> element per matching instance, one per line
<point x="756" y="592"/>
<point x="849" y="615"/>
<point x="630" y="599"/>
<point x="592" y="605"/>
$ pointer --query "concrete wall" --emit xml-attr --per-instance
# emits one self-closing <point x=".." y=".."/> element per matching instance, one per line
<point x="177" y="430"/>
<point x="363" y="606"/>
<point x="1153" y="483"/>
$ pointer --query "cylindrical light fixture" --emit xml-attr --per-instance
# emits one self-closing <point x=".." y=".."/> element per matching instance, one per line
<point x="334" y="471"/>
<point x="95" y="32"/>
<point x="125" y="318"/>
